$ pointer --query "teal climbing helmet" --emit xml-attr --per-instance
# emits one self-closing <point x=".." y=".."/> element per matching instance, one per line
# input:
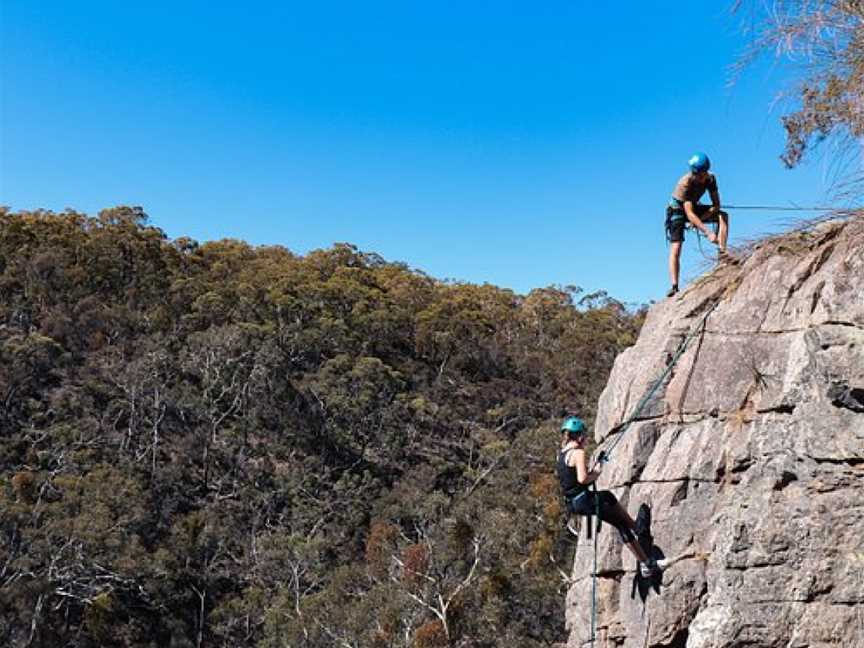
<point x="699" y="162"/>
<point x="573" y="426"/>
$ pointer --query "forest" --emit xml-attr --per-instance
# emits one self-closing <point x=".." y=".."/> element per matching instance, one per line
<point x="217" y="444"/>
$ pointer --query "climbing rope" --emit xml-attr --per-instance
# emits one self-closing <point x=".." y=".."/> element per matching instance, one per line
<point x="604" y="455"/>
<point x="594" y="570"/>
<point x="699" y="243"/>
<point x="788" y="208"/>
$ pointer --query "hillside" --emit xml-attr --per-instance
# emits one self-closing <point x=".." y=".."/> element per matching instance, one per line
<point x="224" y="445"/>
<point x="751" y="457"/>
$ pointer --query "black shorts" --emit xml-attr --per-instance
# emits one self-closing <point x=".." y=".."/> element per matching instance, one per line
<point x="589" y="503"/>
<point x="676" y="221"/>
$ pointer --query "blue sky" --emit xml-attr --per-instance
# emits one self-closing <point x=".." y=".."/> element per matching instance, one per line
<point x="521" y="144"/>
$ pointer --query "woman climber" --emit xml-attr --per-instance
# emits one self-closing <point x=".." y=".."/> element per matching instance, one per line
<point x="575" y="479"/>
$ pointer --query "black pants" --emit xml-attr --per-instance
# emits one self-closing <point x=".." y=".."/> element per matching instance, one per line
<point x="587" y="503"/>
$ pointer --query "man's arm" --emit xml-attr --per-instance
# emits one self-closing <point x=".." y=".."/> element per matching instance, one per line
<point x="715" y="200"/>
<point x="697" y="222"/>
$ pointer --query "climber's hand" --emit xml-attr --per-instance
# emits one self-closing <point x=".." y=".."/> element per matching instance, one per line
<point x="711" y="236"/>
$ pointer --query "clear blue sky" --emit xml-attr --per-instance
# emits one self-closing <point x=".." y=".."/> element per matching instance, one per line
<point x="521" y="144"/>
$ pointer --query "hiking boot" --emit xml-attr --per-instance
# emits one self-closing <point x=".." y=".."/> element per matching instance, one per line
<point x="672" y="291"/>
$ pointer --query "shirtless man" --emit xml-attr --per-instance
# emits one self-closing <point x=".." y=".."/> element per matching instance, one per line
<point x="685" y="207"/>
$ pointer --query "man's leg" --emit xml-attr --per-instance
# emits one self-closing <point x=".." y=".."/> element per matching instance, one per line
<point x="721" y="228"/>
<point x="723" y="234"/>
<point x="674" y="262"/>
<point x="675" y="224"/>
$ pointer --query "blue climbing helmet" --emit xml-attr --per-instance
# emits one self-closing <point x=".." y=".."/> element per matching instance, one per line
<point x="574" y="426"/>
<point x="699" y="162"/>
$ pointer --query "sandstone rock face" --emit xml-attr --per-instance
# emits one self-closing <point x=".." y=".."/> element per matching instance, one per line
<point x="751" y="456"/>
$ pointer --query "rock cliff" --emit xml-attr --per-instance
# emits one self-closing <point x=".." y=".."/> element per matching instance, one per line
<point x="751" y="457"/>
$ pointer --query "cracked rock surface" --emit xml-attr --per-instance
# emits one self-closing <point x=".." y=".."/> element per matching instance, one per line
<point x="751" y="457"/>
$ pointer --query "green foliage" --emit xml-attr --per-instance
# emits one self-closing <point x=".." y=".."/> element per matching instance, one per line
<point x="825" y="40"/>
<point x="224" y="445"/>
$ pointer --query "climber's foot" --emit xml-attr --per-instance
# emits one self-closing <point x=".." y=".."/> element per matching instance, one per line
<point x="650" y="568"/>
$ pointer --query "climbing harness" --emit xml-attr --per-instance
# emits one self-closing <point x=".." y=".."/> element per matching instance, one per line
<point x="675" y="216"/>
<point x="604" y="455"/>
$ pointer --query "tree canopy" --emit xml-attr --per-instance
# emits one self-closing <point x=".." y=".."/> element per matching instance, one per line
<point x="225" y="445"/>
<point x="825" y="39"/>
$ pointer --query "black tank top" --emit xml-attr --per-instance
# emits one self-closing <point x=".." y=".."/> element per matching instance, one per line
<point x="567" y="475"/>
